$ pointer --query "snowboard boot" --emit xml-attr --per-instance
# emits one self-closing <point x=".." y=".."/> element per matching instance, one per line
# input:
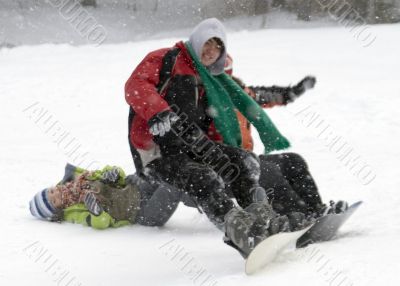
<point x="333" y="208"/>
<point x="266" y="216"/>
<point x="298" y="220"/>
<point x="216" y="205"/>
<point x="245" y="229"/>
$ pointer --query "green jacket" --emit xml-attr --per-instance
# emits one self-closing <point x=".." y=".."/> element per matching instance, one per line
<point x="120" y="201"/>
<point x="79" y="214"/>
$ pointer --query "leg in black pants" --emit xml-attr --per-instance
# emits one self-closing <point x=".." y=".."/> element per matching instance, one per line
<point x="198" y="181"/>
<point x="245" y="188"/>
<point x="202" y="182"/>
<point x="158" y="201"/>
<point x="294" y="189"/>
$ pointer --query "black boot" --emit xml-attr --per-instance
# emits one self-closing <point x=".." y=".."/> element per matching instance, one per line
<point x="333" y="208"/>
<point x="216" y="205"/>
<point x="298" y="220"/>
<point x="245" y="229"/>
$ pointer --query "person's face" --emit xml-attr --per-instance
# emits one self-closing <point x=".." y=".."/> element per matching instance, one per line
<point x="55" y="197"/>
<point x="210" y="52"/>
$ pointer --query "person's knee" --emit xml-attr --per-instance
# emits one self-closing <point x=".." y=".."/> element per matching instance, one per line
<point x="270" y="174"/>
<point x="295" y="160"/>
<point x="268" y="167"/>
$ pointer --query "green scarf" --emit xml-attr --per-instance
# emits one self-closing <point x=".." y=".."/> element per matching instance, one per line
<point x="224" y="95"/>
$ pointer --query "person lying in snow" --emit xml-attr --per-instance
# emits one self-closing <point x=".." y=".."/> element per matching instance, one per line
<point x="103" y="198"/>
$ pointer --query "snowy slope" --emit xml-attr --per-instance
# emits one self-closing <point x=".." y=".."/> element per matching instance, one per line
<point x="80" y="92"/>
<point x="43" y="21"/>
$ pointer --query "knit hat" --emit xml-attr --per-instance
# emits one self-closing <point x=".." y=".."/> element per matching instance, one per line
<point x="41" y="207"/>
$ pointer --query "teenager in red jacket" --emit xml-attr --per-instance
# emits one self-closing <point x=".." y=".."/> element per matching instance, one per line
<point x="171" y="117"/>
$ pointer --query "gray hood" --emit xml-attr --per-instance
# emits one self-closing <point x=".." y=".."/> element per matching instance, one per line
<point x="204" y="31"/>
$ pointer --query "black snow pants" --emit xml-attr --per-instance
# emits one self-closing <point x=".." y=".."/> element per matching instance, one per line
<point x="289" y="184"/>
<point x="158" y="201"/>
<point x="211" y="181"/>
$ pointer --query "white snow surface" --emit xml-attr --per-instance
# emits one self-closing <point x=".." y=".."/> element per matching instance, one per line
<point x="80" y="89"/>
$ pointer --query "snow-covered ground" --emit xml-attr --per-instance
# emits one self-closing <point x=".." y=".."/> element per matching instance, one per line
<point x="55" y="94"/>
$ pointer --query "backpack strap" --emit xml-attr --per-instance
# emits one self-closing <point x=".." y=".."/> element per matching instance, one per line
<point x="168" y="64"/>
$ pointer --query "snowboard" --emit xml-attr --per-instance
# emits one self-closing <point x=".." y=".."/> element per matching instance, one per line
<point x="326" y="227"/>
<point x="267" y="250"/>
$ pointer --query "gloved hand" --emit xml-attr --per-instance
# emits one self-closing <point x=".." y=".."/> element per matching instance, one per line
<point x="306" y="83"/>
<point x="111" y="176"/>
<point x="161" y="123"/>
<point x="92" y="204"/>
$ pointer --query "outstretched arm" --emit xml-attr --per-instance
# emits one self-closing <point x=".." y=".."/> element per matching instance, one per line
<point x="276" y="95"/>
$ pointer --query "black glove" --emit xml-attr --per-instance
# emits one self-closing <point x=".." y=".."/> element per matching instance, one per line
<point x="161" y="123"/>
<point x="92" y="205"/>
<point x="306" y="83"/>
<point x="110" y="176"/>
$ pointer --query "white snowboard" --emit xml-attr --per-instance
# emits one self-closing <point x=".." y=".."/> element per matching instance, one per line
<point x="267" y="250"/>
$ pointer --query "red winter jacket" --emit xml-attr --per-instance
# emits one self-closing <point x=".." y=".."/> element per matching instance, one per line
<point x="142" y="95"/>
